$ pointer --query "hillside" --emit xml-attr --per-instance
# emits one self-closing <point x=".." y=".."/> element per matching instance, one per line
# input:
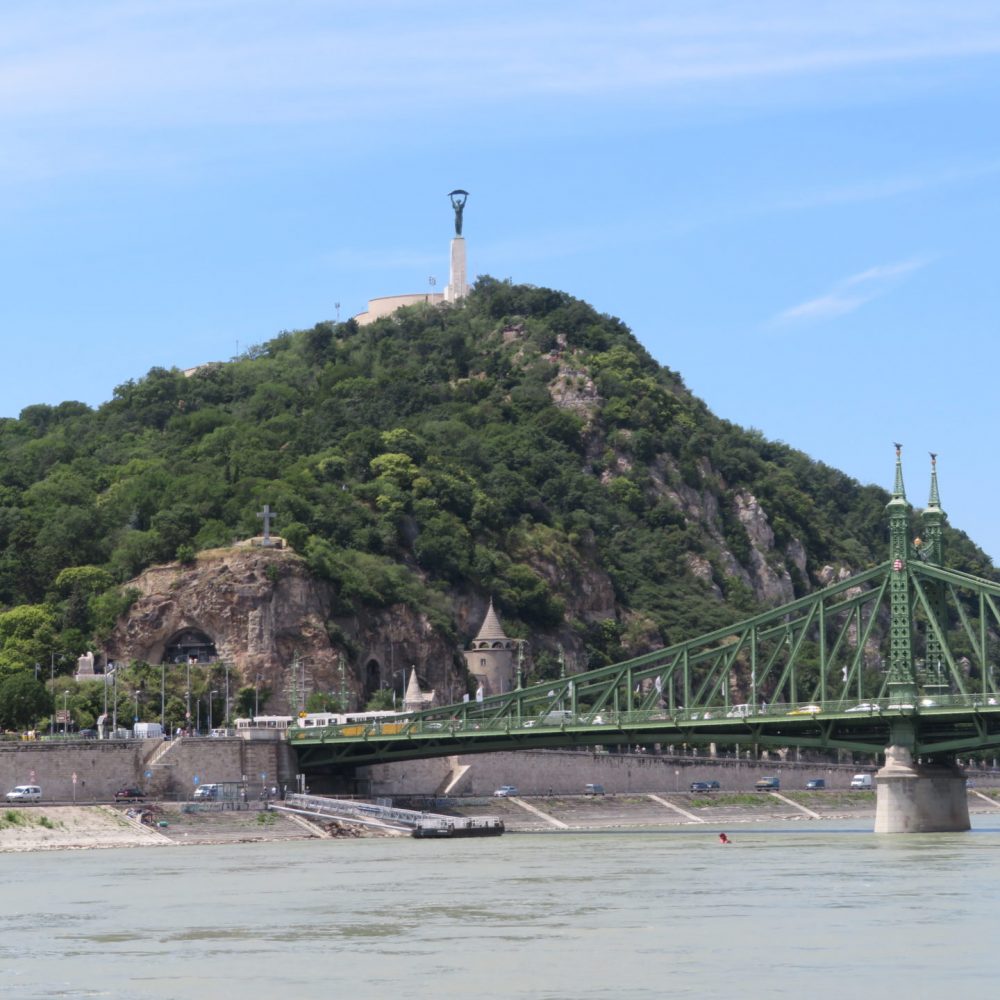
<point x="519" y="445"/>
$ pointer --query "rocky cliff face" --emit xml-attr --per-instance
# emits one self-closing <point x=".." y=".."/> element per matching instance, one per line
<point x="263" y="612"/>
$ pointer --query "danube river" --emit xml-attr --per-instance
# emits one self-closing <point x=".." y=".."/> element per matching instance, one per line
<point x="818" y="910"/>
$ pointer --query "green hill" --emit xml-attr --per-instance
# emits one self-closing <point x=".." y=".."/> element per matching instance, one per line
<point x="520" y="445"/>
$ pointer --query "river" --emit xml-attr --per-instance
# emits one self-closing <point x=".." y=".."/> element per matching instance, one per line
<point x="818" y="910"/>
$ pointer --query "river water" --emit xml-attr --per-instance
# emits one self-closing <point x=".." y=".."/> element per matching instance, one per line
<point x="817" y="910"/>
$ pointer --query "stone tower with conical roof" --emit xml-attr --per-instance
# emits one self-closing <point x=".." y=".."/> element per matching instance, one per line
<point x="490" y="657"/>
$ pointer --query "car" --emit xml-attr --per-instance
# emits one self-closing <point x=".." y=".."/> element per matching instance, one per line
<point x="816" y="783"/>
<point x="806" y="710"/>
<point x="865" y="706"/>
<point x="210" y="792"/>
<point x="705" y="786"/>
<point x="505" y="792"/>
<point x="768" y="784"/>
<point x="130" y="795"/>
<point x="593" y="789"/>
<point x="24" y="793"/>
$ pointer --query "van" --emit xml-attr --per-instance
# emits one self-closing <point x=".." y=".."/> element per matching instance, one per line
<point x="768" y="784"/>
<point x="25" y="793"/>
<point x="862" y="781"/>
<point x="557" y="717"/>
<point x="207" y="792"/>
<point x="593" y="789"/>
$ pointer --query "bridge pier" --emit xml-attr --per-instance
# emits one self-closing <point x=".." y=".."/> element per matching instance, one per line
<point x="919" y="798"/>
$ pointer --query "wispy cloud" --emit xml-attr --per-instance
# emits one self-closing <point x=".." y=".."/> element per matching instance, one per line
<point x="849" y="293"/>
<point x="253" y="61"/>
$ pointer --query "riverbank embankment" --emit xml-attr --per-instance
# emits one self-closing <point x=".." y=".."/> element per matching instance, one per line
<point x="30" y="828"/>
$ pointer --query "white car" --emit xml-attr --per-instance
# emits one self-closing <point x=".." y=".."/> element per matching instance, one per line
<point x="25" y="793"/>
<point x="505" y="792"/>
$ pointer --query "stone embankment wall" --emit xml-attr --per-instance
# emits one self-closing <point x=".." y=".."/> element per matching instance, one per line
<point x="536" y="772"/>
<point x="103" y="766"/>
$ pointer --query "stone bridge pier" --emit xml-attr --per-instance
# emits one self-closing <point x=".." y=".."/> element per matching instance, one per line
<point x="919" y="798"/>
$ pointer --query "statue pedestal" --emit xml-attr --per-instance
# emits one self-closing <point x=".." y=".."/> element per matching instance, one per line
<point x="457" y="285"/>
<point x="919" y="798"/>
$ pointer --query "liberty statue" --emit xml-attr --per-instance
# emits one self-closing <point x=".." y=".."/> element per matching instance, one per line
<point x="458" y="200"/>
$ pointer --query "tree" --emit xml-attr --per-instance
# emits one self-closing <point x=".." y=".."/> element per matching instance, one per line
<point x="381" y="701"/>
<point x="23" y="700"/>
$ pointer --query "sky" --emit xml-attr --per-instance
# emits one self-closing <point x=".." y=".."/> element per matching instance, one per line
<point x="793" y="205"/>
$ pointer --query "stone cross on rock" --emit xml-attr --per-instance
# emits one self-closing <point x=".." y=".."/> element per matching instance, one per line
<point x="267" y="515"/>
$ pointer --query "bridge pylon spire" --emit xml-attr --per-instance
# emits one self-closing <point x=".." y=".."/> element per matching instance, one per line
<point x="932" y="518"/>
<point x="902" y="677"/>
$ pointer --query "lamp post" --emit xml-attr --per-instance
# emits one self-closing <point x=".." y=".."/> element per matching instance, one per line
<point x="52" y="685"/>
<point x="226" y="720"/>
<point x="114" y="704"/>
<point x="256" y="696"/>
<point x="65" y="713"/>
<point x="163" y="697"/>
<point x="187" y="710"/>
<point x="211" y="694"/>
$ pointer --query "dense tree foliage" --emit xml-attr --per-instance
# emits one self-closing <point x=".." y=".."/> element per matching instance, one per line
<point x="500" y="447"/>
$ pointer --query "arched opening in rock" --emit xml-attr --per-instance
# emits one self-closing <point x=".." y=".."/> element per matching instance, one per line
<point x="373" y="677"/>
<point x="189" y="644"/>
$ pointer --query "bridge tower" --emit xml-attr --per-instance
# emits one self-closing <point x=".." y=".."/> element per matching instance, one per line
<point x="913" y="797"/>
<point x="490" y="658"/>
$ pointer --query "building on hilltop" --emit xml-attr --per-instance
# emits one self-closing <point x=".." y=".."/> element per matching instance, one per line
<point x="457" y="288"/>
<point x="491" y="656"/>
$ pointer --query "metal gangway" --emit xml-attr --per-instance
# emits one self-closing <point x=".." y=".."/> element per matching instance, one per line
<point x="412" y="821"/>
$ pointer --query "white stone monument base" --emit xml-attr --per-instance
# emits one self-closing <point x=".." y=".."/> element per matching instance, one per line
<point x="919" y="798"/>
<point x="458" y="286"/>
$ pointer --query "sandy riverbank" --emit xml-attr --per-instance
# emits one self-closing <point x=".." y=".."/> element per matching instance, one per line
<point x="40" y="828"/>
<point x="35" y="828"/>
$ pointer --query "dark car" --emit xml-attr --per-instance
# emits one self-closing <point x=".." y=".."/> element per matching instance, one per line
<point x="768" y="785"/>
<point x="816" y="783"/>
<point x="705" y="786"/>
<point x="130" y="795"/>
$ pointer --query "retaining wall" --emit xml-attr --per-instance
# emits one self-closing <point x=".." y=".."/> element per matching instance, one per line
<point x="103" y="766"/>
<point x="536" y="772"/>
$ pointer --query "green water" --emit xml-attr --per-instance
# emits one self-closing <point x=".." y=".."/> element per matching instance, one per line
<point x="803" y="910"/>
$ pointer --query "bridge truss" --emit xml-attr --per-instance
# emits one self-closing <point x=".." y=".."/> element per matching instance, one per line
<point x="905" y="653"/>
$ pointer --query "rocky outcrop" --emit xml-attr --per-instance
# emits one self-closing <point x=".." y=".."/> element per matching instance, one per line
<point x="265" y="614"/>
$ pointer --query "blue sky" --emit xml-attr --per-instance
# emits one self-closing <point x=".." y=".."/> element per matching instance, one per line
<point x="794" y="205"/>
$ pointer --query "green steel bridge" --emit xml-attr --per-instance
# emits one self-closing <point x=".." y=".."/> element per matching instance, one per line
<point x="903" y="654"/>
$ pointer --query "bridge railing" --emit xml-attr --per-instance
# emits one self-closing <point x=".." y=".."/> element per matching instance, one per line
<point x="614" y="722"/>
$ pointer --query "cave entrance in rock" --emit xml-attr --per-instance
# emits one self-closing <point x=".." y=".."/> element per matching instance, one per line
<point x="192" y="645"/>
<point x="373" y="678"/>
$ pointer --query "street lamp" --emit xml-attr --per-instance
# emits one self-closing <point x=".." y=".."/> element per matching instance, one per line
<point x="187" y="711"/>
<point x="226" y="720"/>
<point x="256" y="696"/>
<point x="52" y="685"/>
<point x="211" y="694"/>
<point x="65" y="713"/>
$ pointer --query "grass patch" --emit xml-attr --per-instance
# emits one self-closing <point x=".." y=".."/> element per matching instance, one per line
<point x="750" y="800"/>
<point x="266" y="819"/>
<point x="12" y="819"/>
